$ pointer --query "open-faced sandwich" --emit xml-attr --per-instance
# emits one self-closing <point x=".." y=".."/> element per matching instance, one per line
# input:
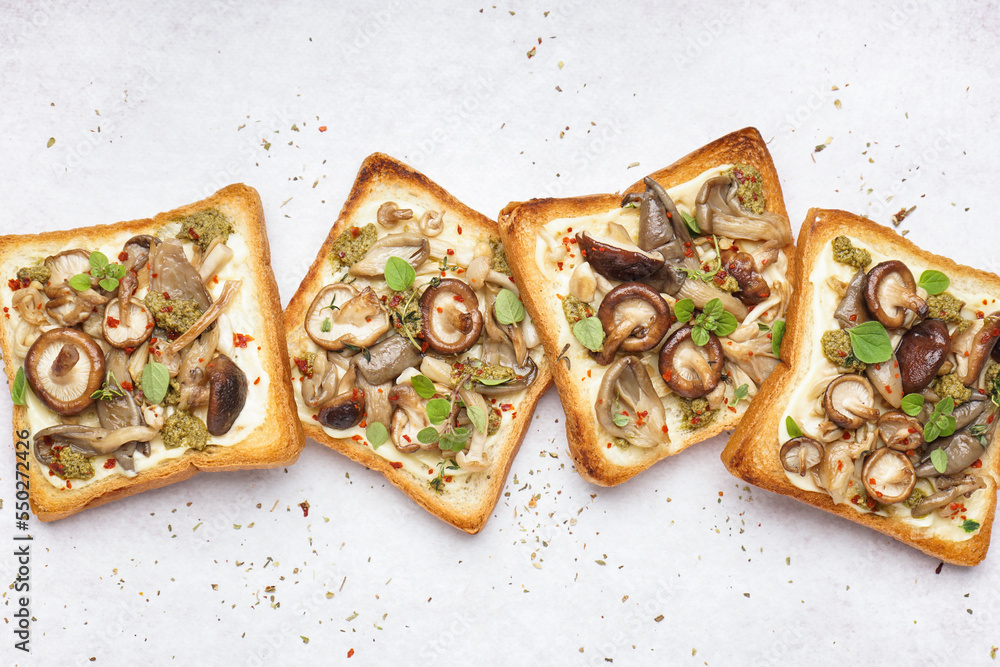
<point x="143" y="352"/>
<point x="664" y="307"/>
<point x="412" y="352"/>
<point x="887" y="415"/>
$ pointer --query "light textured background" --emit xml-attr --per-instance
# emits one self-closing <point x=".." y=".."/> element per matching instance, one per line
<point x="154" y="105"/>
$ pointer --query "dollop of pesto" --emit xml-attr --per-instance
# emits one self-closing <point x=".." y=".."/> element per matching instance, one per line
<point x="351" y="245"/>
<point x="992" y="379"/>
<point x="204" y="227"/>
<point x="696" y="413"/>
<point x="70" y="465"/>
<point x="575" y="310"/>
<point x="496" y="418"/>
<point x="38" y="272"/>
<point x="304" y="362"/>
<point x="621" y="443"/>
<point x="845" y="253"/>
<point x="950" y="385"/>
<point x="945" y="306"/>
<point x="836" y="345"/>
<point x="499" y="257"/>
<point x="728" y="284"/>
<point x="183" y="429"/>
<point x="176" y="315"/>
<point x="915" y="498"/>
<point x="749" y="187"/>
<point x="404" y="312"/>
<point x="492" y="374"/>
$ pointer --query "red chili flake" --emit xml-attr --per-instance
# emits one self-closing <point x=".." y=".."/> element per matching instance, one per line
<point x="110" y="463"/>
<point x="840" y="466"/>
<point x="356" y="438"/>
<point x="609" y="445"/>
<point x="156" y="275"/>
<point x="113" y="323"/>
<point x="351" y="651"/>
<point x="397" y="465"/>
<point x="560" y="265"/>
<point x="460" y="229"/>
<point x="980" y="314"/>
<point x="853" y="318"/>
<point x="440" y="309"/>
<point x="167" y="309"/>
<point x="257" y="381"/>
<point x="506" y="407"/>
<point x="127" y="386"/>
<point x="215" y="279"/>
<point x="846" y="436"/>
<point x="315" y="417"/>
<point x="122" y="256"/>
<point x="14" y="284"/>
<point x="302" y="365"/>
<point x="305" y="507"/>
<point x="166" y="296"/>
<point x="450" y="252"/>
<point x="978" y="463"/>
<point x="322" y="128"/>
<point x="241" y="340"/>
<point x="459" y="298"/>
<point x="841" y="353"/>
<point x="69" y="484"/>
<point x="448" y="478"/>
<point x="355" y="232"/>
<point x="193" y="234"/>
<point x="666" y="376"/>
<point x="888" y="389"/>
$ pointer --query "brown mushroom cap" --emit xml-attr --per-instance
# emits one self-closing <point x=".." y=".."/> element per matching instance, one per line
<point x="852" y="311"/>
<point x="849" y="401"/>
<point x="635" y="318"/>
<point x="900" y="431"/>
<point x="691" y="371"/>
<point x="983" y="344"/>
<point x="616" y="256"/>
<point x="340" y="316"/>
<point x="753" y="287"/>
<point x="389" y="214"/>
<point x="888" y="476"/>
<point x="800" y="455"/>
<point x="133" y="334"/>
<point x="343" y="411"/>
<point x="227" y="394"/>
<point x="921" y="352"/>
<point x="451" y="317"/>
<point x="387" y="359"/>
<point x="64" y="266"/>
<point x="890" y="291"/>
<point x="64" y="367"/>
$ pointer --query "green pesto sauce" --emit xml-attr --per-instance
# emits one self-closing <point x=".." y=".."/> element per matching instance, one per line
<point x="729" y="284"/>
<point x="499" y="257"/>
<point x="836" y="345"/>
<point x="950" y="385"/>
<point x="404" y="313"/>
<point x="351" y="245"/>
<point x="945" y="306"/>
<point x="992" y="371"/>
<point x="304" y="362"/>
<point x="750" y="188"/>
<point x="71" y="465"/>
<point x="575" y="310"/>
<point x="38" y="272"/>
<point x="496" y="418"/>
<point x="182" y="429"/>
<point x="696" y="413"/>
<point x="845" y="253"/>
<point x="621" y="443"/>
<point x="204" y="227"/>
<point x="175" y="315"/>
<point x="914" y="498"/>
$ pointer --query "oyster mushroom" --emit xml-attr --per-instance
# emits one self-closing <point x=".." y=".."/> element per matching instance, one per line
<point x="635" y="318"/>
<point x="480" y="267"/>
<point x="412" y="248"/>
<point x="627" y="390"/>
<point x="389" y="214"/>
<point x="346" y="408"/>
<point x="450" y="316"/>
<point x="885" y="377"/>
<point x="718" y="211"/>
<point x="849" y="401"/>
<point x="691" y="371"/>
<point x="120" y="409"/>
<point x="740" y="265"/>
<point x="473" y="457"/>
<point x="800" y="455"/>
<point x="583" y="282"/>
<point x="970" y="411"/>
<point x="888" y="476"/>
<point x="408" y="417"/>
<point x="615" y="256"/>
<point x="836" y="470"/>
<point x="64" y="367"/>
<point x="321" y="386"/>
<point x="851" y="311"/>
<point x="129" y="331"/>
<point x="900" y="431"/>
<point x="136" y="252"/>
<point x="30" y="303"/>
<point x="962" y="449"/>
<point x="754" y="356"/>
<point x="983" y="342"/>
<point x="387" y="359"/>
<point x="662" y="230"/>
<point x="67" y="307"/>
<point x="91" y="440"/>
<point x="227" y="394"/>
<point x="945" y="496"/>
<point x="890" y="291"/>
<point x="339" y="315"/>
<point x="701" y="293"/>
<point x="172" y="273"/>
<point x="431" y="223"/>
<point x="921" y="352"/>
<point x="504" y="355"/>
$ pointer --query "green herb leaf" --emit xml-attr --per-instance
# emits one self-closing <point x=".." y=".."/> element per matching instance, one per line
<point x="713" y="309"/>
<point x="683" y="310"/>
<point x="17" y="390"/>
<point x="428" y="435"/>
<point x="912" y="404"/>
<point x="116" y="271"/>
<point x="870" y="342"/>
<point x="477" y="416"/>
<point x="155" y="381"/>
<point x="777" y="335"/>
<point x="438" y="410"/>
<point x="725" y="324"/>
<point x="80" y="282"/>
<point x="377" y="434"/>
<point x="947" y="426"/>
<point x="399" y="275"/>
<point x="741" y="393"/>
<point x="326" y="325"/>
<point x="691" y="222"/>
<point x="970" y="526"/>
<point x="933" y="281"/>
<point x="793" y="429"/>
<point x="931" y="431"/>
<point x="109" y="284"/>
<point x="98" y="260"/>
<point x="939" y="458"/>
<point x="762" y="328"/>
<point x="508" y="308"/>
<point x="590" y="333"/>
<point x="619" y="419"/>
<point x="978" y="430"/>
<point x="423" y="386"/>
<point x="699" y="336"/>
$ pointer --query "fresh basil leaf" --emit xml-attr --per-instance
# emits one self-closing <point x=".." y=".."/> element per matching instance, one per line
<point x="477" y="416"/>
<point x="741" y="393"/>
<point x="590" y="332"/>
<point x="453" y="441"/>
<point x="939" y="458"/>
<point x="155" y="381"/>
<point x="970" y="526"/>
<point x="947" y="426"/>
<point x="377" y="434"/>
<point x="777" y="335"/>
<point x="98" y="260"/>
<point x="933" y="281"/>
<point x="699" y="336"/>
<point x="399" y="275"/>
<point x="17" y="390"/>
<point x="931" y="431"/>
<point x="428" y="435"/>
<point x="870" y="342"/>
<point x="491" y="382"/>
<point x="725" y="324"/>
<point x="793" y="429"/>
<point x="438" y="410"/>
<point x="714" y="308"/>
<point x="116" y="271"/>
<point x="945" y="406"/>
<point x="619" y="419"/>
<point x="912" y="404"/>
<point x="683" y="310"/>
<point x="508" y="308"/>
<point x="80" y="282"/>
<point x="423" y="386"/>
<point x="108" y="284"/>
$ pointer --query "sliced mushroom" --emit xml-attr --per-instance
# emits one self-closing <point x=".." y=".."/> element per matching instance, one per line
<point x="970" y="411"/>
<point x="701" y="293"/>
<point x="340" y="316"/>
<point x="944" y="497"/>
<point x="136" y="252"/>
<point x="900" y="431"/>
<point x="626" y="390"/>
<point x="849" y="401"/>
<point x="64" y="266"/>
<point x="168" y="355"/>
<point x="583" y="282"/>
<point x="408" y="417"/>
<point x="473" y="457"/>
<point x="450" y="316"/>
<point x="346" y="408"/>
<point x="851" y="311"/>
<point x="68" y="307"/>
<point x="412" y="248"/>
<point x="218" y="256"/>
<point x="635" y="319"/>
<point x="740" y="265"/>
<point x="524" y="374"/>
<point x="64" y="367"/>
<point x="890" y="291"/>
<point x="92" y="440"/>
<point x="387" y="359"/>
<point x="227" y="394"/>
<point x="135" y="332"/>
<point x="962" y="449"/>
<point x="718" y="211"/>
<point x="691" y="371"/>
<point x="888" y="476"/>
<point x="921" y="352"/>
<point x="431" y="223"/>
<point x="885" y="377"/>
<point x="615" y="256"/>
<point x="192" y="373"/>
<point x="754" y="356"/>
<point x="800" y="455"/>
<point x="983" y="342"/>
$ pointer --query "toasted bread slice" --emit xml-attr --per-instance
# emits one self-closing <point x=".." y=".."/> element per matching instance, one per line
<point x="465" y="495"/>
<point x="265" y="432"/>
<point x="960" y="533"/>
<point x="542" y="245"/>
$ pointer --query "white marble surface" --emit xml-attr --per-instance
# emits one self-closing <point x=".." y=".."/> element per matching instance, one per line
<point x="153" y="105"/>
